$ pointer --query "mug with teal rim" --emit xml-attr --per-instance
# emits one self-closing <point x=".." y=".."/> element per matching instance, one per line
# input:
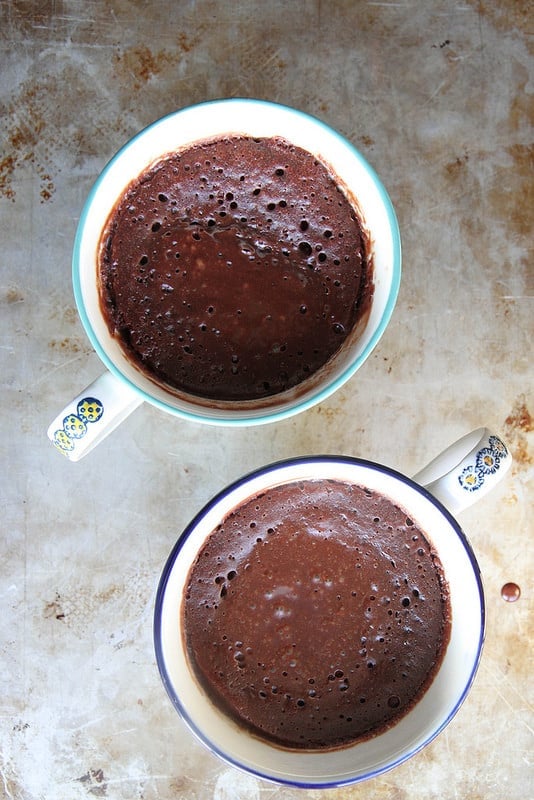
<point x="97" y="410"/>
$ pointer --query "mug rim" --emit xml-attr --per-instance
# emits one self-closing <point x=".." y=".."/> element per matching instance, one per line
<point x="318" y="393"/>
<point x="189" y="529"/>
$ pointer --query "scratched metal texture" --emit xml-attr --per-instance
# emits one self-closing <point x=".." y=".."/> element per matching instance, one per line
<point x="438" y="97"/>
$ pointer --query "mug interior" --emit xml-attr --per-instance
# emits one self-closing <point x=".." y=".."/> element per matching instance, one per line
<point x="258" y="119"/>
<point x="361" y="760"/>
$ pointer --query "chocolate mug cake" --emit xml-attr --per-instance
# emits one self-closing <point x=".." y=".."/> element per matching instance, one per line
<point x="316" y="614"/>
<point x="235" y="268"/>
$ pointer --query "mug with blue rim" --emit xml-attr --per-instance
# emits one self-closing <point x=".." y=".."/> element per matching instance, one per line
<point x="462" y="474"/>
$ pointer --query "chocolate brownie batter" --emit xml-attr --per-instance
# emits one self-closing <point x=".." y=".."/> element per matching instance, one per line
<point x="316" y="614"/>
<point x="235" y="269"/>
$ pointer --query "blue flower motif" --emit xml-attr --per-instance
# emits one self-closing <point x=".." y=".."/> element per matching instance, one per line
<point x="63" y="442"/>
<point x="498" y="446"/>
<point x="74" y="427"/>
<point x="90" y="409"/>
<point x="488" y="461"/>
<point x="471" y="479"/>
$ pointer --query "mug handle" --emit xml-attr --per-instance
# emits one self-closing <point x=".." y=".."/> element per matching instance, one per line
<point x="92" y="415"/>
<point x="467" y="470"/>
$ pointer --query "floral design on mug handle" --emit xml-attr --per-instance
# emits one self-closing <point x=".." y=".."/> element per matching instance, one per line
<point x="88" y="411"/>
<point x="487" y="462"/>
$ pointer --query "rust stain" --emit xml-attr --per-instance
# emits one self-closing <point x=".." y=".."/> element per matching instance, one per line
<point x="509" y="16"/>
<point x="13" y="295"/>
<point x="178" y="785"/>
<point x="521" y="104"/>
<point x="94" y="781"/>
<point x="522" y="458"/>
<point x="512" y="191"/>
<point x="506" y="197"/>
<point x="105" y="596"/>
<point x="47" y="186"/>
<point x="66" y="345"/>
<point x="41" y="129"/>
<point x="186" y="43"/>
<point x="26" y="141"/>
<point x="366" y="140"/>
<point x="54" y="608"/>
<point x="70" y="315"/>
<point x="520" y="417"/>
<point x="7" y="168"/>
<point x="138" y="65"/>
<point x="516" y="425"/>
<point x="451" y="55"/>
<point x="455" y="168"/>
<point x="11" y="786"/>
<point x="57" y="113"/>
<point x="511" y="499"/>
<point x="36" y="19"/>
<point x="327" y="413"/>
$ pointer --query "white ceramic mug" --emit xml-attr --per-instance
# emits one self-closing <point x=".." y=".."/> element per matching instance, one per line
<point x="462" y="474"/>
<point x="97" y="410"/>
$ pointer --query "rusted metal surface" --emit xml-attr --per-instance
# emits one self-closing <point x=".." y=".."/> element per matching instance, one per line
<point x="438" y="97"/>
